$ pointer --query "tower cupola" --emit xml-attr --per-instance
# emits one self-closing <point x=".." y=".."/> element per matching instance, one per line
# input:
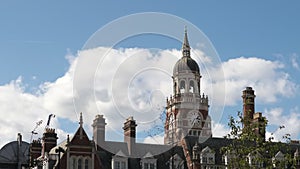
<point x="186" y="63"/>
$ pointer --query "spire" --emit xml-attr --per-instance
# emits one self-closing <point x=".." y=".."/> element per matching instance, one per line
<point x="186" y="46"/>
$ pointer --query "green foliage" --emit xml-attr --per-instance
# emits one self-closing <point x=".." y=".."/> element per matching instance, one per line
<point x="247" y="143"/>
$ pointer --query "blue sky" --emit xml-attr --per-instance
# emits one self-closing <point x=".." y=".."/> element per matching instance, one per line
<point x="33" y="33"/>
<point x="35" y="37"/>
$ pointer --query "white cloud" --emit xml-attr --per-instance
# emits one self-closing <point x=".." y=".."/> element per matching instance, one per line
<point x="219" y="130"/>
<point x="294" y="60"/>
<point x="20" y="112"/>
<point x="125" y="82"/>
<point x="291" y="122"/>
<point x="158" y="139"/>
<point x="266" y="77"/>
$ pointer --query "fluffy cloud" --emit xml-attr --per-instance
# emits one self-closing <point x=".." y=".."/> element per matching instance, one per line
<point x="132" y="82"/>
<point x="158" y="139"/>
<point x="290" y="121"/>
<point x="294" y="60"/>
<point x="267" y="77"/>
<point x="219" y="130"/>
<point x="21" y="111"/>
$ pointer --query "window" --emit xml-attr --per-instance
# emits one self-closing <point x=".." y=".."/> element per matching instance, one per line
<point x="210" y="160"/>
<point x="119" y="162"/>
<point x="192" y="87"/>
<point x="149" y="166"/>
<point x="123" y="165"/>
<point x="146" y="165"/>
<point x="182" y="87"/>
<point x="117" y="165"/>
<point x="86" y="164"/>
<point x="79" y="163"/>
<point x="204" y="160"/>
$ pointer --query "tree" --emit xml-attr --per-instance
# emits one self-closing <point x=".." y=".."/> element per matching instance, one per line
<point x="248" y="147"/>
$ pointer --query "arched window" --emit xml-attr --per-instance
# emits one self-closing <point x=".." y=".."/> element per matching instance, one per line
<point x="79" y="163"/>
<point x="192" y="87"/>
<point x="86" y="164"/>
<point x="182" y="86"/>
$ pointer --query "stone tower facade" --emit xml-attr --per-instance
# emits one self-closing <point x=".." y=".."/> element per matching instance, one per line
<point x="187" y="109"/>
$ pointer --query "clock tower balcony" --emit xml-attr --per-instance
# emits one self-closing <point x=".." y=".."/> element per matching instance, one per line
<point x="188" y="100"/>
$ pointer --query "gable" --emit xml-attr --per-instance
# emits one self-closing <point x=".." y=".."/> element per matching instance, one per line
<point x="80" y="138"/>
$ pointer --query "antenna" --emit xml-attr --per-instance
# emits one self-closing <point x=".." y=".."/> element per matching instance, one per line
<point x="49" y="119"/>
<point x="33" y="132"/>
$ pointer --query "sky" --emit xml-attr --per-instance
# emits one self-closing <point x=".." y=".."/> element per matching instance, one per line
<point x="50" y="63"/>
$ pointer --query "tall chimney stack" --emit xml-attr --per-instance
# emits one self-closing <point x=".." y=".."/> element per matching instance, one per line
<point x="49" y="140"/>
<point x="99" y="130"/>
<point x="35" y="151"/>
<point x="130" y="133"/>
<point x="248" y="103"/>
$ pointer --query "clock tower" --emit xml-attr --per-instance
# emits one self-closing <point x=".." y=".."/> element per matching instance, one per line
<point x="187" y="108"/>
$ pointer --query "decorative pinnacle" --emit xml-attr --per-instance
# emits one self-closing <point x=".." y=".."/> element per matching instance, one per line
<point x="186" y="46"/>
<point x="80" y="120"/>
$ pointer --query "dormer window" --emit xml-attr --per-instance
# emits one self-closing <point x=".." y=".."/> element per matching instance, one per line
<point x="119" y="162"/>
<point x="207" y="156"/>
<point x="148" y="162"/>
<point x="149" y="166"/>
<point x="176" y="162"/>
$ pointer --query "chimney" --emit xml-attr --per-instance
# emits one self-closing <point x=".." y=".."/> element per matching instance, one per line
<point x="260" y="129"/>
<point x="129" y="133"/>
<point x="35" y="151"/>
<point x="99" y="130"/>
<point x="49" y="140"/>
<point x="248" y="103"/>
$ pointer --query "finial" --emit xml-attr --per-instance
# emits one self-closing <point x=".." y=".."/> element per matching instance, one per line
<point x="68" y="138"/>
<point x="186" y="46"/>
<point x="81" y="121"/>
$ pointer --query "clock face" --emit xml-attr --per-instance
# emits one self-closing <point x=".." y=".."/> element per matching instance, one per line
<point x="194" y="119"/>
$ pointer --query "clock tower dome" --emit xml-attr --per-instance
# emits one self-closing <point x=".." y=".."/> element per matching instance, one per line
<point x="187" y="109"/>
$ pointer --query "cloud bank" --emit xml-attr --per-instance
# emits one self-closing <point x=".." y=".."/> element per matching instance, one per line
<point x="135" y="82"/>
